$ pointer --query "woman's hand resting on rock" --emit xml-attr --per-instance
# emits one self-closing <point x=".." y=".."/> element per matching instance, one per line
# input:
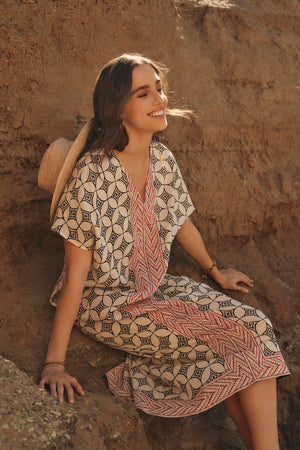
<point x="230" y="279"/>
<point x="60" y="381"/>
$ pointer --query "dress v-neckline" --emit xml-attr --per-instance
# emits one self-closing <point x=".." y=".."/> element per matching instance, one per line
<point x="131" y="182"/>
<point x="143" y="200"/>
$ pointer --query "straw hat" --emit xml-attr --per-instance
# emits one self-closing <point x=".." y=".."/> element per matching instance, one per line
<point x="58" y="163"/>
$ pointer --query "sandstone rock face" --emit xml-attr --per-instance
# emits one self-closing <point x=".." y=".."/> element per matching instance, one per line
<point x="235" y="64"/>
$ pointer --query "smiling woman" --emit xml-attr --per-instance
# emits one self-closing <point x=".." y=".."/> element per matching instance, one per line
<point x="114" y="88"/>
<point x="119" y="202"/>
<point x="145" y="110"/>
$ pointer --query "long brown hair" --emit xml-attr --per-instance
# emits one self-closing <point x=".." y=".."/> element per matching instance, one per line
<point x="111" y="93"/>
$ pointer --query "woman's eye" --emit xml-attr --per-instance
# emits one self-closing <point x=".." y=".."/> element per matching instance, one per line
<point x="145" y="94"/>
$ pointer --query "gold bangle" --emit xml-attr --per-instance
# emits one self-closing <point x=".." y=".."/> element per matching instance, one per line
<point x="54" y="362"/>
<point x="205" y="272"/>
<point x="53" y="365"/>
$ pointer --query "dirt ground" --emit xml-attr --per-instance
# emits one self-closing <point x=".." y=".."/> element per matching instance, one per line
<point x="235" y="63"/>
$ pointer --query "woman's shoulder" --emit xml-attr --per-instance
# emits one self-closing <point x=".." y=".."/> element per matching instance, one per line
<point x="91" y="159"/>
<point x="89" y="168"/>
<point x="163" y="154"/>
<point x="93" y="162"/>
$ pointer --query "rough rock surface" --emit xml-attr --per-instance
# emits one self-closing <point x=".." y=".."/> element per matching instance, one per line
<point x="31" y="418"/>
<point x="235" y="63"/>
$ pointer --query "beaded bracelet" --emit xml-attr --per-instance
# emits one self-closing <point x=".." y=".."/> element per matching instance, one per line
<point x="205" y="272"/>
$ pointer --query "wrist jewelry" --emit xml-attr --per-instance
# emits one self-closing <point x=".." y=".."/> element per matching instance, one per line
<point x="55" y="364"/>
<point x="206" y="272"/>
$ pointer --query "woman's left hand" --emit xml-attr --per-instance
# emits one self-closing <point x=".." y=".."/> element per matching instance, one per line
<point x="230" y="279"/>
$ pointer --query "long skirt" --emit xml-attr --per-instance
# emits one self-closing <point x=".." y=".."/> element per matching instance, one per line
<point x="189" y="348"/>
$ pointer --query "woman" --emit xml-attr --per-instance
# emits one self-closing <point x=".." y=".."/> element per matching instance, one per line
<point x="189" y="347"/>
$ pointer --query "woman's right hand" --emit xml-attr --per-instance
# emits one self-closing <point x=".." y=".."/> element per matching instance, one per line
<point x="60" y="381"/>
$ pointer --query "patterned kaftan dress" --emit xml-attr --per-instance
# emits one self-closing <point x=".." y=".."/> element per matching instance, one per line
<point x="189" y="347"/>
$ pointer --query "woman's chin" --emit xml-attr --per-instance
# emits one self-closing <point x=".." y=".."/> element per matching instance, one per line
<point x="162" y="126"/>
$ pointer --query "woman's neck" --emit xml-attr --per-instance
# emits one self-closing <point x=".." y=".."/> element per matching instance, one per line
<point x="138" y="146"/>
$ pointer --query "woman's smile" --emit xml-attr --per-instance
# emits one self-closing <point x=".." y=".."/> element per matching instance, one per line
<point x="147" y="100"/>
<point x="158" y="114"/>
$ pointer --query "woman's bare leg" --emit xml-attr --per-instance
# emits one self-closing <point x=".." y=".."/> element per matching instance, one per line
<point x="234" y="408"/>
<point x="259" y="404"/>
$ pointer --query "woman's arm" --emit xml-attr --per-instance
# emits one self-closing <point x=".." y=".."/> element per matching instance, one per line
<point x="78" y="263"/>
<point x="191" y="241"/>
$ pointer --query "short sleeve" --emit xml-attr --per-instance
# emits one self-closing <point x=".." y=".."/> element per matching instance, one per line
<point x="76" y="216"/>
<point x="183" y="205"/>
<point x="173" y="204"/>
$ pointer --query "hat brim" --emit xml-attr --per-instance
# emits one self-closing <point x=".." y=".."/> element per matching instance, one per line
<point x="68" y="166"/>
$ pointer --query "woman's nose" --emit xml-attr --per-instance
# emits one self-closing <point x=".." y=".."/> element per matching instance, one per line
<point x="158" y="98"/>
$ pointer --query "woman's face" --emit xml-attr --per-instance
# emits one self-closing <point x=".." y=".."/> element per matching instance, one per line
<point x="145" y="111"/>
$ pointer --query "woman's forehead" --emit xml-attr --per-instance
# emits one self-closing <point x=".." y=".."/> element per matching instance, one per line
<point x="144" y="75"/>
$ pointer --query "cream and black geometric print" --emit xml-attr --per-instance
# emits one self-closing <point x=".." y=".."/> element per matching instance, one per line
<point x="189" y="346"/>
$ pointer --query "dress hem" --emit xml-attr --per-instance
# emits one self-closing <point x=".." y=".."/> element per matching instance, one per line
<point x="152" y="408"/>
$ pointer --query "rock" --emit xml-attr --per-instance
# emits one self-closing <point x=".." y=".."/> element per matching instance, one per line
<point x="116" y="423"/>
<point x="20" y="423"/>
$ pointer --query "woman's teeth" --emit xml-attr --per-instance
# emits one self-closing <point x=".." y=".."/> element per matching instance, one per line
<point x="158" y="113"/>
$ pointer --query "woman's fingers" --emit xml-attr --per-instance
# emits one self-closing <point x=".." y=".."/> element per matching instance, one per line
<point x="77" y="386"/>
<point x="52" y="386"/>
<point x="242" y="289"/>
<point x="59" y="383"/>
<point x="42" y="382"/>
<point x="69" y="389"/>
<point x="60" y="390"/>
<point x="70" y="393"/>
<point x="236" y="280"/>
<point x="245" y="279"/>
